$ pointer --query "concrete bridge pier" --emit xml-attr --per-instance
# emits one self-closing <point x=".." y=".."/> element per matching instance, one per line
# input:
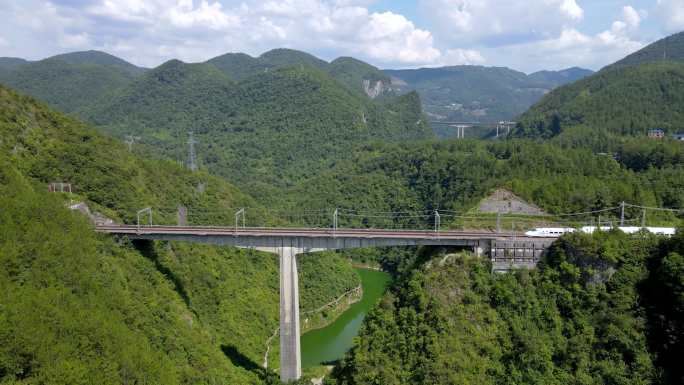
<point x="290" y="352"/>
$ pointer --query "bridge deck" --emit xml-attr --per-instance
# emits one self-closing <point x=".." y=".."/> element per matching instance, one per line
<point x="312" y="232"/>
<point x="314" y="239"/>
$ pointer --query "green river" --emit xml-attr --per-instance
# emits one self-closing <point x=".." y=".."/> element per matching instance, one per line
<point x="331" y="342"/>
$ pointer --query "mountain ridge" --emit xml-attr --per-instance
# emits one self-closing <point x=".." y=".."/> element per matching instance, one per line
<point x="669" y="48"/>
<point x="629" y="97"/>
<point x="479" y="93"/>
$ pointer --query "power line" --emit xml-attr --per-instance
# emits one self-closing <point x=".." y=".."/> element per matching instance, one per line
<point x="192" y="161"/>
<point x="655" y="208"/>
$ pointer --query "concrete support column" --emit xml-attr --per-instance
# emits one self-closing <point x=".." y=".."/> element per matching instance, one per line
<point x="290" y="352"/>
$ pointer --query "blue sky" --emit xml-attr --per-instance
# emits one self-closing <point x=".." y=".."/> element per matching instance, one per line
<point x="526" y="35"/>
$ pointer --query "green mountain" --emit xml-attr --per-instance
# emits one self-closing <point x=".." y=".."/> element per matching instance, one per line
<point x="670" y="48"/>
<point x="238" y="66"/>
<point x="69" y="82"/>
<point x="66" y="86"/>
<point x="638" y="93"/>
<point x="476" y="93"/>
<point x="265" y="131"/>
<point x="99" y="58"/>
<point x="556" y="78"/>
<point x="354" y="74"/>
<point x="84" y="82"/>
<point x="252" y="116"/>
<point x="10" y="63"/>
<point x="159" y="312"/>
<point x="283" y="57"/>
<point x="359" y="76"/>
<point x="166" y="102"/>
<point x="623" y="100"/>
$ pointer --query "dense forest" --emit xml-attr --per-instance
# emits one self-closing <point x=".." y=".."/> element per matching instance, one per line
<point x="134" y="312"/>
<point x="419" y="177"/>
<point x="627" y="100"/>
<point x="601" y="309"/>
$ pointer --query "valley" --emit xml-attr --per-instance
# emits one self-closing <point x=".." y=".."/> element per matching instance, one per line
<point x="339" y="156"/>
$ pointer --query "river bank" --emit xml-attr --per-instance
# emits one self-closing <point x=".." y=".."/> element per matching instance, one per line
<point x="331" y="342"/>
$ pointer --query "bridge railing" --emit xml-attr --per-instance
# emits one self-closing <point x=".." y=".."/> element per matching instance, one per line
<point x="348" y="218"/>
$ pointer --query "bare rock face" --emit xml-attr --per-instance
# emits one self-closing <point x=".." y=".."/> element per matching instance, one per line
<point x="505" y="202"/>
<point x="95" y="217"/>
<point x="374" y="88"/>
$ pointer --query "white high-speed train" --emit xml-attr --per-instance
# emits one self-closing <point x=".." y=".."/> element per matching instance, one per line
<point x="558" y="231"/>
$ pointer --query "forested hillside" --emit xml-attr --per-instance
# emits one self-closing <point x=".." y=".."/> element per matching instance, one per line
<point x="556" y="78"/>
<point x="266" y="131"/>
<point x="10" y="63"/>
<point x="588" y="315"/>
<point x="350" y="72"/>
<point x="99" y="58"/>
<point x="361" y="77"/>
<point x="70" y="82"/>
<point x="645" y="90"/>
<point x="85" y="83"/>
<point x="670" y="48"/>
<point x="173" y="313"/>
<point x="626" y="100"/>
<point x="454" y="175"/>
<point x="78" y="308"/>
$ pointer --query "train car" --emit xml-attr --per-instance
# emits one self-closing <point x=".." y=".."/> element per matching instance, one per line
<point x="558" y="231"/>
<point x="668" y="231"/>
<point x="549" y="231"/>
<point x="591" y="229"/>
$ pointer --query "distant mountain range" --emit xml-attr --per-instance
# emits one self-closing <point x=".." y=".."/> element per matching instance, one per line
<point x="285" y="100"/>
<point x="459" y="93"/>
<point x="479" y="94"/>
<point x="285" y="110"/>
<point x="644" y="90"/>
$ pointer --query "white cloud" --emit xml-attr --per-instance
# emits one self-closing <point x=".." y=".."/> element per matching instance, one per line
<point x="631" y="16"/>
<point x="184" y="14"/>
<point x="571" y="9"/>
<point x="574" y="48"/>
<point x="528" y="35"/>
<point x="671" y="13"/>
<point x="462" y="56"/>
<point x="151" y="31"/>
<point x="476" y="20"/>
<point x="391" y="37"/>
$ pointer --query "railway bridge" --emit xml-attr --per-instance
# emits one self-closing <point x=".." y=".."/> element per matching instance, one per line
<point x="504" y="249"/>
